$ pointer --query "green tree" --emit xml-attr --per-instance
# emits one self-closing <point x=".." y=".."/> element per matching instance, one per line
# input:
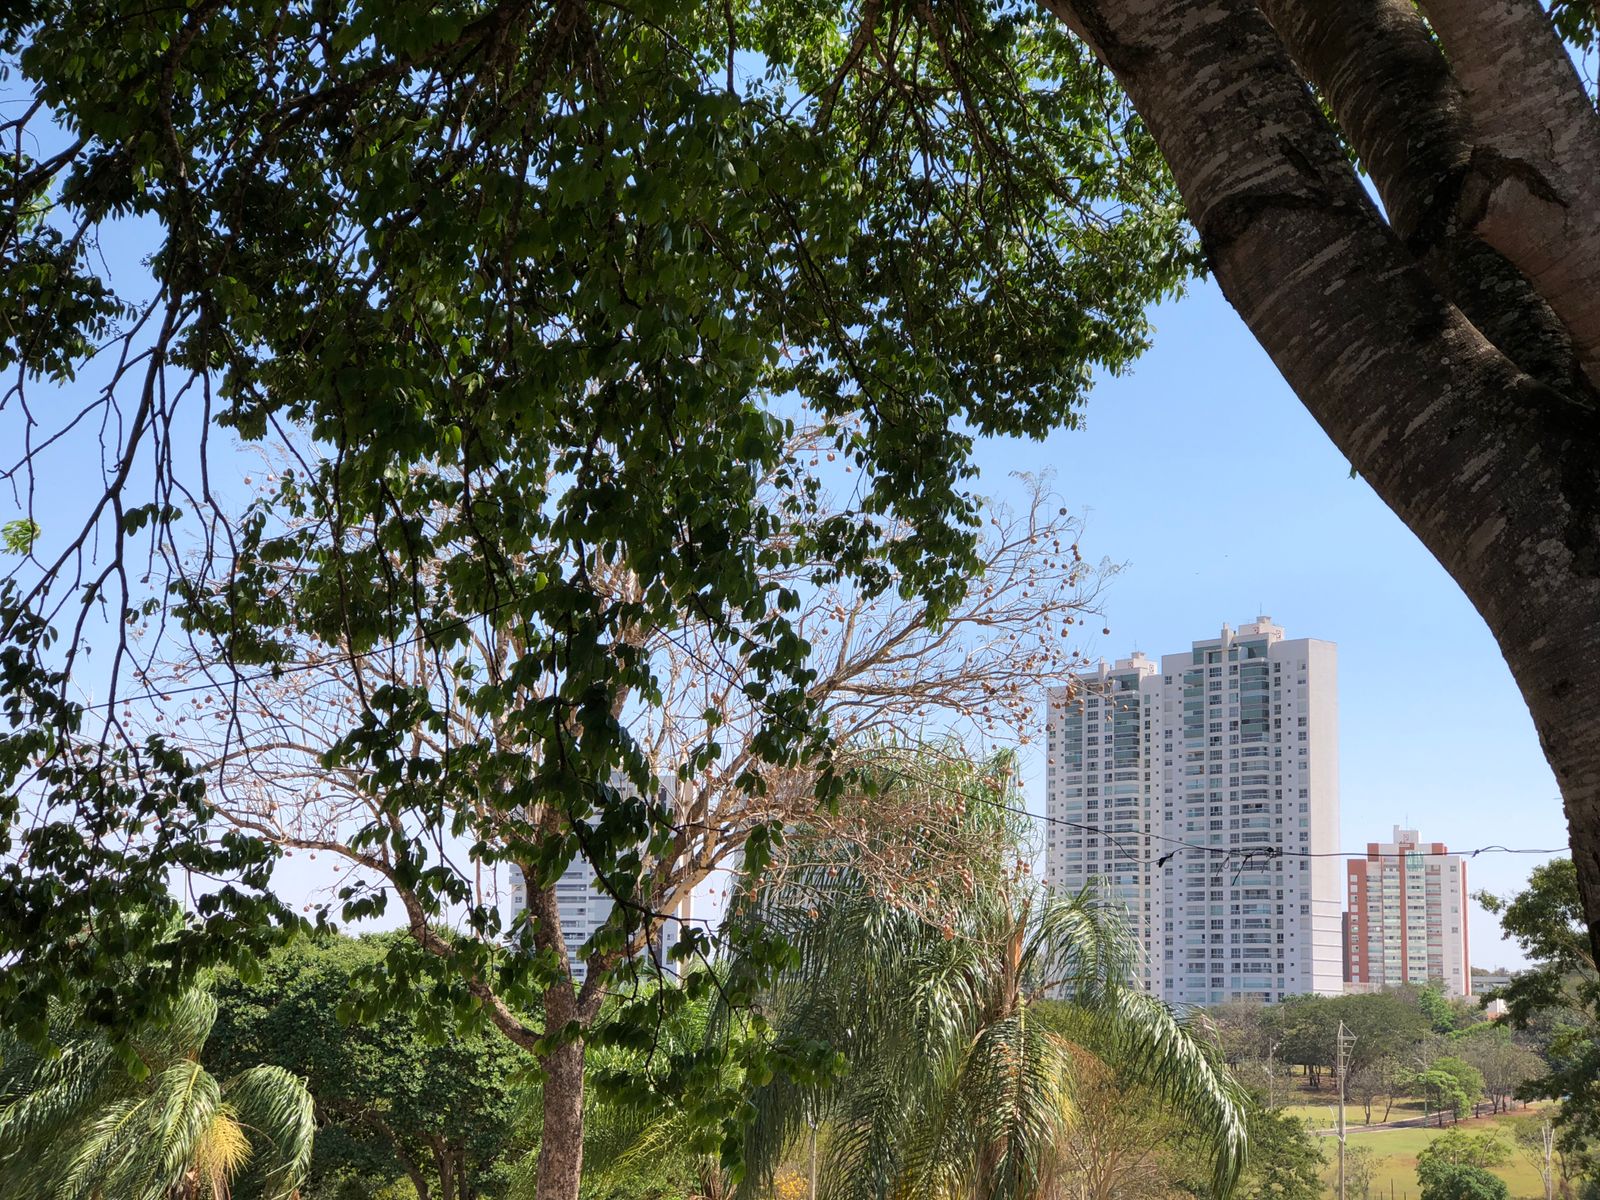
<point x="393" y="1097"/>
<point x="536" y="275"/>
<point x="639" y="1144"/>
<point x="535" y="299"/>
<point x="1310" y="1033"/>
<point x="1433" y="1005"/>
<point x="82" y="1125"/>
<point x="1454" y="1148"/>
<point x="957" y="1075"/>
<point x="1448" y="1085"/>
<point x="1285" y="1161"/>
<point x="1557" y="995"/>
<point x="1360" y="1168"/>
<point x="1461" y="1182"/>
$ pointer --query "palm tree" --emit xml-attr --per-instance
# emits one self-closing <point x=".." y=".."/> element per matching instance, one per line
<point x="957" y="1080"/>
<point x="80" y="1125"/>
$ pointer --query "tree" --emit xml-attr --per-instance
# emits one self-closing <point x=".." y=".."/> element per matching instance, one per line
<point x="392" y="1098"/>
<point x="566" y="260"/>
<point x="1466" y="307"/>
<point x="1432" y="1004"/>
<point x="1251" y="1035"/>
<point x="1535" y="1139"/>
<point x="1447" y="1085"/>
<point x="1360" y="1167"/>
<point x="1559" y="993"/>
<point x="1372" y="1079"/>
<point x="879" y="663"/>
<point x="1286" y="1161"/>
<point x="534" y="298"/>
<point x="1504" y="1064"/>
<point x="1121" y="1143"/>
<point x="1310" y="1033"/>
<point x="957" y="1076"/>
<point x="1461" y="1182"/>
<point x="1454" y="1148"/>
<point x="88" y="1124"/>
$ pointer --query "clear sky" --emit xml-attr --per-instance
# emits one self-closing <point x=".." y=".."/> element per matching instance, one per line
<point x="1204" y="476"/>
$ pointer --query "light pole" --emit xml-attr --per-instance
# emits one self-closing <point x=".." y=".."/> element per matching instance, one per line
<point x="1346" y="1040"/>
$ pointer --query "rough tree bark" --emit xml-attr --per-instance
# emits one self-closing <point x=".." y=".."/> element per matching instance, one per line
<point x="567" y="1011"/>
<point x="1537" y="194"/>
<point x="1402" y="110"/>
<point x="1496" y="471"/>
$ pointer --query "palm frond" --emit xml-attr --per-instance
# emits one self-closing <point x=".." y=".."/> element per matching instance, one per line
<point x="1169" y="1055"/>
<point x="278" y="1116"/>
<point x="186" y="1098"/>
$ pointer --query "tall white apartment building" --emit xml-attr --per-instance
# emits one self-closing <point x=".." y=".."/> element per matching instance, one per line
<point x="585" y="908"/>
<point x="1216" y="787"/>
<point x="1099" y="792"/>
<point x="1407" y="920"/>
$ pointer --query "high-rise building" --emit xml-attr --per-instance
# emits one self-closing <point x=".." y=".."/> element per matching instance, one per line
<point x="1408" y="916"/>
<point x="1203" y="794"/>
<point x="585" y="908"/>
<point x="1099" y="792"/>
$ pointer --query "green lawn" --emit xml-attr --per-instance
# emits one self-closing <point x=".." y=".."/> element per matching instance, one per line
<point x="1397" y="1162"/>
<point x="1318" y="1107"/>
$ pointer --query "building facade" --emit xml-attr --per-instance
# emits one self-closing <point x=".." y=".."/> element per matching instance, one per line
<point x="1206" y="789"/>
<point x="1408" y="916"/>
<point x="1099" y="796"/>
<point x="585" y="907"/>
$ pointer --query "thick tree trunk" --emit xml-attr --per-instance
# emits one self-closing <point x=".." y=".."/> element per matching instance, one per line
<point x="1497" y="474"/>
<point x="560" y="1164"/>
<point x="1538" y="201"/>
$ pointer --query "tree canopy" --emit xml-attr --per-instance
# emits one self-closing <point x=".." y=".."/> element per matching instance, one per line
<point x="392" y="1095"/>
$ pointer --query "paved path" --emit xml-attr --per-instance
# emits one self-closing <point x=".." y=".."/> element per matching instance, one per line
<point x="1407" y="1123"/>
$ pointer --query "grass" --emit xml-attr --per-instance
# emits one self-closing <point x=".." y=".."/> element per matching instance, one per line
<point x="1397" y="1150"/>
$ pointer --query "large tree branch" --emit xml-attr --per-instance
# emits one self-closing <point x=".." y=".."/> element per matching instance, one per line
<point x="1495" y="473"/>
<point x="1534" y="193"/>
<point x="1404" y="113"/>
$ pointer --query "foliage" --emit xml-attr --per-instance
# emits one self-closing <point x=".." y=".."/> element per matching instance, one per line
<point x="957" y="1077"/>
<point x="1455" y="1148"/>
<point x="1121" y="1139"/>
<point x="1447" y="1084"/>
<point x="1285" y="1159"/>
<point x="80" y="1125"/>
<point x="1558" y="993"/>
<point x="393" y="1097"/>
<point x="556" y="314"/>
<point x="1505" y="1064"/>
<point x="1360" y="1166"/>
<point x="1448" y="1181"/>
<point x="1433" y="1005"/>
<point x="18" y="536"/>
<point x="535" y="291"/>
<point x="1388" y="1026"/>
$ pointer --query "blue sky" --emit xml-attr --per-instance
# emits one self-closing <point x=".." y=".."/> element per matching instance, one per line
<point x="1203" y="475"/>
